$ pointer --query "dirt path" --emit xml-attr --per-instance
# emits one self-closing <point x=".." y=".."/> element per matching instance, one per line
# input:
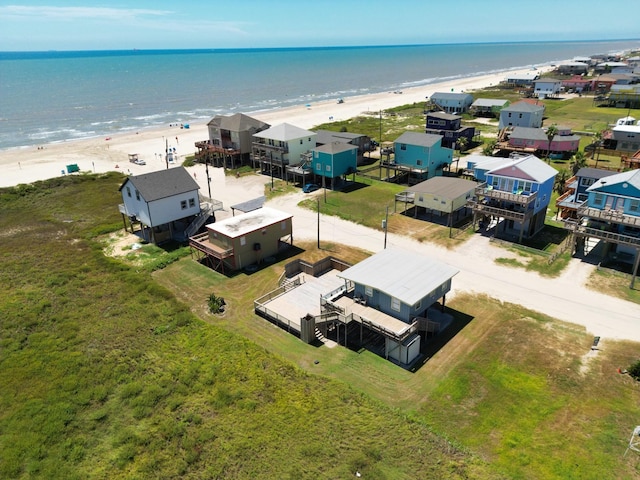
<point x="565" y="298"/>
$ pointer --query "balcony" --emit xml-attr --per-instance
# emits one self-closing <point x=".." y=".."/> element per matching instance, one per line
<point x="582" y="230"/>
<point x="521" y="198"/>
<point x="608" y="215"/>
<point x="506" y="213"/>
<point x="263" y="145"/>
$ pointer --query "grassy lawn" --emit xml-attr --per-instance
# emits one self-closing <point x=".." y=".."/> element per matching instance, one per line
<point x="105" y="374"/>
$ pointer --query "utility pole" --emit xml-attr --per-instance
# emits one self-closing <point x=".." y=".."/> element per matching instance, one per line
<point x="271" y="167"/>
<point x="384" y="225"/>
<point x="166" y="151"/>
<point x="206" y="167"/>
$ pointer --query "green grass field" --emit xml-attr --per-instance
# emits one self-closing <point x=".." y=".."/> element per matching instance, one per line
<point x="108" y="371"/>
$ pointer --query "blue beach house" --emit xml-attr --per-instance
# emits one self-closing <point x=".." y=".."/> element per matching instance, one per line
<point x="611" y="214"/>
<point x="521" y="114"/>
<point x="334" y="160"/>
<point x="421" y="155"/>
<point x="514" y="196"/>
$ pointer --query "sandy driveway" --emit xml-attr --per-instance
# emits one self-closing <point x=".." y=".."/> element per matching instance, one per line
<point x="565" y="298"/>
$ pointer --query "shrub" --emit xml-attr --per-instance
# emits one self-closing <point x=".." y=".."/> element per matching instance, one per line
<point x="634" y="370"/>
<point x="216" y="304"/>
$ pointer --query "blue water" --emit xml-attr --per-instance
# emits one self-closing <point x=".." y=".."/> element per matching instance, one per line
<point x="57" y="96"/>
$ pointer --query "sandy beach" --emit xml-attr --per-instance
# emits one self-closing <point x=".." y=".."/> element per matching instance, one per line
<point x="97" y="155"/>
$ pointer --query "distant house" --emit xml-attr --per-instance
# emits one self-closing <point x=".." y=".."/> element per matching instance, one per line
<point x="164" y="203"/>
<point x="547" y="87"/>
<point x="230" y="140"/>
<point x="488" y="107"/>
<point x="575" y="193"/>
<point x="526" y="79"/>
<point x="607" y="66"/>
<point x="577" y="83"/>
<point x="421" y="155"/>
<point x="280" y="146"/>
<point x="333" y="160"/>
<point x="515" y="195"/>
<point x="563" y="145"/>
<point x="363" y="142"/>
<point x="611" y="214"/>
<point x="571" y="68"/>
<point x="625" y="138"/>
<point x="441" y="196"/>
<point x="452" y="102"/>
<point x="449" y="126"/>
<point x="624" y="96"/>
<point x="521" y="114"/>
<point x="243" y="240"/>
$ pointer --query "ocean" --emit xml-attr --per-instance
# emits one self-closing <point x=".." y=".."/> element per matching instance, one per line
<point x="48" y="97"/>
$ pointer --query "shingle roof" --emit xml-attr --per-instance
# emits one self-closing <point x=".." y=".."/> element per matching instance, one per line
<point x="419" y="139"/>
<point x="404" y="275"/>
<point x="448" y="188"/>
<point x="523" y="107"/>
<point x="162" y="183"/>
<point x="443" y="115"/>
<point x="239" y="225"/>
<point x="528" y="133"/>
<point x="450" y="96"/>
<point x="335" y="147"/>
<point x="489" y="102"/>
<point x="238" y="122"/>
<point x="327" y="136"/>
<point x="597" y="173"/>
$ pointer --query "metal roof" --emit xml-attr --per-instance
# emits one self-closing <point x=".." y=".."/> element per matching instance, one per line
<point x="162" y="183"/>
<point x="284" y="132"/>
<point x="404" y="275"/>
<point x="327" y="136"/>
<point x="522" y="107"/>
<point x="443" y="115"/>
<point x="234" y="227"/>
<point x="632" y="177"/>
<point x="489" y="102"/>
<point x="334" y="147"/>
<point x="529" y="167"/>
<point x="451" y="96"/>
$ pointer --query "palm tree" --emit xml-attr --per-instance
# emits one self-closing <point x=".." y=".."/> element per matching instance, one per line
<point x="461" y="142"/>
<point x="552" y="131"/>
<point x="560" y="180"/>
<point x="579" y="161"/>
<point x="597" y="141"/>
<point x="489" y="147"/>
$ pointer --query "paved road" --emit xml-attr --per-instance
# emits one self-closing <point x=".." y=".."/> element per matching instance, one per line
<point x="565" y="298"/>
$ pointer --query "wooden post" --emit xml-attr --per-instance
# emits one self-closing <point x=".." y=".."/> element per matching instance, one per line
<point x="635" y="268"/>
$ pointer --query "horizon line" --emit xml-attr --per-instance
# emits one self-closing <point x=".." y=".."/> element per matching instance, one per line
<point x="322" y="47"/>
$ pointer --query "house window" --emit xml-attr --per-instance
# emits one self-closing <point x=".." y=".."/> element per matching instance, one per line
<point x="243" y="241"/>
<point x="300" y="141"/>
<point x="318" y="166"/>
<point x="192" y="202"/>
<point x="419" y="162"/>
<point x="283" y="225"/>
<point x="368" y="291"/>
<point x="417" y="306"/>
<point x="183" y="204"/>
<point x="403" y="146"/>
<point x="129" y="192"/>
<point x="587" y="182"/>
<point x="598" y="199"/>
<point x="582" y="197"/>
<point x="137" y="195"/>
<point x="395" y="304"/>
<point x="634" y="206"/>
<point x="327" y="168"/>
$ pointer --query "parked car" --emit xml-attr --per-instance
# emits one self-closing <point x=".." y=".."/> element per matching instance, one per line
<point x="139" y="161"/>
<point x="310" y="187"/>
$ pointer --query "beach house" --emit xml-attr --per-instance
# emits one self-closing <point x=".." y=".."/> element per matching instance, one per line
<point x="513" y="196"/>
<point x="164" y="203"/>
<point x="450" y="102"/>
<point x="449" y="127"/>
<point x="230" y="140"/>
<point x="575" y="191"/>
<point x="244" y="240"/>
<point x="488" y="107"/>
<point x="363" y="142"/>
<point x="577" y="84"/>
<point x="572" y="68"/>
<point x="280" y="146"/>
<point x="420" y="156"/>
<point x="439" y="196"/>
<point x="625" y="138"/>
<point x="611" y="214"/>
<point x="547" y="87"/>
<point x="521" y="79"/>
<point x="332" y="161"/>
<point x="563" y="145"/>
<point x="521" y="114"/>
<point x="386" y="303"/>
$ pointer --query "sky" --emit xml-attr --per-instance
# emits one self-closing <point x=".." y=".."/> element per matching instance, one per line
<point x="161" y="24"/>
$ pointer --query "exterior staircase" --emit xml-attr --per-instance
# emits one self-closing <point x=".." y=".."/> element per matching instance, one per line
<point x="206" y="210"/>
